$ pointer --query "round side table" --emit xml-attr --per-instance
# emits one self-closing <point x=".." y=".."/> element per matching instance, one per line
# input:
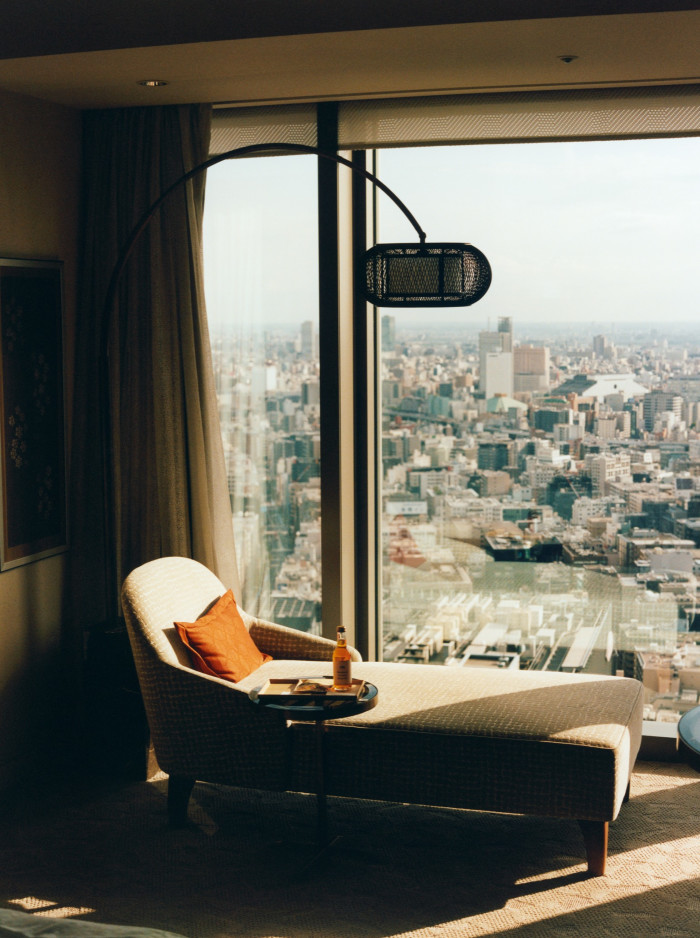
<point x="318" y="710"/>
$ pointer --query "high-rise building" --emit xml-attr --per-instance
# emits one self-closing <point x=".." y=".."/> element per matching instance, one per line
<point x="600" y="344"/>
<point x="505" y="330"/>
<point x="658" y="402"/>
<point x="605" y="426"/>
<point x="547" y="417"/>
<point x="497" y="377"/>
<point x="496" y="360"/>
<point x="310" y="393"/>
<point x="308" y="340"/>
<point x="388" y="333"/>
<point x="488" y="342"/>
<point x="530" y="368"/>
<point x="494" y="454"/>
<point x="604" y="468"/>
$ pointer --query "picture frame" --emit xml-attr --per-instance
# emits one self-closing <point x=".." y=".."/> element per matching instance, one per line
<point x="32" y="411"/>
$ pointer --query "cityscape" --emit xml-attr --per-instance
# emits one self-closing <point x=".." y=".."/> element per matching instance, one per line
<point x="540" y="494"/>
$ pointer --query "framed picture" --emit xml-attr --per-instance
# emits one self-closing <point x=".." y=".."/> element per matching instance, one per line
<point x="32" y="431"/>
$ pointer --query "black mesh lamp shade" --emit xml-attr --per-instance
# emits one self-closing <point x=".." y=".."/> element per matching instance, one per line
<point x="426" y="274"/>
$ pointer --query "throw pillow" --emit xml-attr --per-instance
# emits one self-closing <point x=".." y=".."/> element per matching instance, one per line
<point x="220" y="644"/>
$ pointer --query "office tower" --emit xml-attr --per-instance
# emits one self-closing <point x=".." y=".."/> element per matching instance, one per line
<point x="497" y="377"/>
<point x="488" y="342"/>
<point x="494" y="455"/>
<point x="505" y="330"/>
<point x="547" y="417"/>
<point x="605" y="468"/>
<point x="530" y="368"/>
<point x="600" y="344"/>
<point x="388" y="333"/>
<point x="308" y="340"/>
<point x="658" y="402"/>
<point x="496" y="359"/>
<point x="310" y="393"/>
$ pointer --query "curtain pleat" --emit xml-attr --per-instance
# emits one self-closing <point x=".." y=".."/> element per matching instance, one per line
<point x="155" y="484"/>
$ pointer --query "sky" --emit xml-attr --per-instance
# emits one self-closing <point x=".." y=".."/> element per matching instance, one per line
<point x="595" y="231"/>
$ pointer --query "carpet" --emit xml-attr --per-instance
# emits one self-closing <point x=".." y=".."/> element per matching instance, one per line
<point x="106" y="855"/>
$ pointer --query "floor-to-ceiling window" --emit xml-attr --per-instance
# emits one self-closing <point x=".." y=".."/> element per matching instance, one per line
<point x="538" y="460"/>
<point x="261" y="270"/>
<point x="540" y="455"/>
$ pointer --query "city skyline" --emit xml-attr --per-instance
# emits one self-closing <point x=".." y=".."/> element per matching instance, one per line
<point x="555" y="529"/>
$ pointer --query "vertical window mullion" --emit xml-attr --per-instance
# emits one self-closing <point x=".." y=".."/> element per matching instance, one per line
<point x="364" y="319"/>
<point x="329" y="335"/>
<point x="336" y="343"/>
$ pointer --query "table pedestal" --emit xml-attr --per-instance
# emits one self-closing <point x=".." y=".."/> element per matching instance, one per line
<point x="318" y="713"/>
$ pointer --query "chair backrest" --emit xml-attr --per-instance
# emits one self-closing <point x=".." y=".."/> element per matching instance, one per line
<point x="201" y="726"/>
<point x="162" y="592"/>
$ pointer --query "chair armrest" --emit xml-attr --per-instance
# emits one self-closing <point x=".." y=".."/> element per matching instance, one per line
<point x="206" y="728"/>
<point x="283" y="642"/>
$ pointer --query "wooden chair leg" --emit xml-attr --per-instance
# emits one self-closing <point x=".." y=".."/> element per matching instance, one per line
<point x="595" y="837"/>
<point x="179" y="791"/>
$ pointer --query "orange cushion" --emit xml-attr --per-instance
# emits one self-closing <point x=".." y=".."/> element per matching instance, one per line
<point x="220" y="644"/>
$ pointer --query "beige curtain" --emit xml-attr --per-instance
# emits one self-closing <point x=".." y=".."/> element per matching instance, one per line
<point x="155" y="484"/>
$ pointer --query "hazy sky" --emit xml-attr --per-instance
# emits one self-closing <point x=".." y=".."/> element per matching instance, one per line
<point x="591" y="231"/>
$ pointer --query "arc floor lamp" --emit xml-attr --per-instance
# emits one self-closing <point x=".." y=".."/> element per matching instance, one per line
<point x="402" y="275"/>
<point x="399" y="275"/>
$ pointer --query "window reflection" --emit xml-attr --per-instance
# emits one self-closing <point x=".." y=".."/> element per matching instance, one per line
<point x="261" y="287"/>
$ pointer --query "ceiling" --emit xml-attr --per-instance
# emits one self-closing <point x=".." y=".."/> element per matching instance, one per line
<point x="92" y="55"/>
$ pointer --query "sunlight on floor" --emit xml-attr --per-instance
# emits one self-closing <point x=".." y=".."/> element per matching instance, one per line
<point x="47" y="908"/>
<point x="656" y="777"/>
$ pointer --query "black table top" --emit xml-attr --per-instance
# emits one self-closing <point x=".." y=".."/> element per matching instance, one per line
<point x="315" y="708"/>
<point x="689" y="729"/>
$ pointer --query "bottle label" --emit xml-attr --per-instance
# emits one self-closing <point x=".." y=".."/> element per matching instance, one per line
<point x="341" y="673"/>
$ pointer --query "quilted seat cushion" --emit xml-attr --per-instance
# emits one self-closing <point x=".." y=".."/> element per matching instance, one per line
<point x="514" y="741"/>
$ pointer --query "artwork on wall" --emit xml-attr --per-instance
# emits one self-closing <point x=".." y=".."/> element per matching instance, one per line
<point x="32" y="411"/>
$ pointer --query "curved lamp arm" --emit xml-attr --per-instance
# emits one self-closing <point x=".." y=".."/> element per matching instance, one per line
<point x="145" y="219"/>
<point x="399" y="275"/>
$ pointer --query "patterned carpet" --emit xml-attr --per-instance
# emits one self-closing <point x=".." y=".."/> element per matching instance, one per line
<point x="399" y="870"/>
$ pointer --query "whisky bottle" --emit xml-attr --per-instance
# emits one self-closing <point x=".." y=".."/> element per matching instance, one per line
<point x="342" y="677"/>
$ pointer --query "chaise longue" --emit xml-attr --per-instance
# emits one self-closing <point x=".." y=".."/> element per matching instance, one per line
<point x="518" y="742"/>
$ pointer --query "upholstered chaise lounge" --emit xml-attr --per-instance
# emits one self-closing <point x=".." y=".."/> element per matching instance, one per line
<point x="536" y="743"/>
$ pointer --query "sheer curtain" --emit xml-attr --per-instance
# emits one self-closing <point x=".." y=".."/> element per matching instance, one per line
<point x="155" y="484"/>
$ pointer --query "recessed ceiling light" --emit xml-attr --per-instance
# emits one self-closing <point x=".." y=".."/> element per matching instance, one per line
<point x="152" y="83"/>
<point x="567" y="59"/>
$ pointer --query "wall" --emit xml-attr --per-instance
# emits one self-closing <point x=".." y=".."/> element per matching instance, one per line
<point x="39" y="209"/>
